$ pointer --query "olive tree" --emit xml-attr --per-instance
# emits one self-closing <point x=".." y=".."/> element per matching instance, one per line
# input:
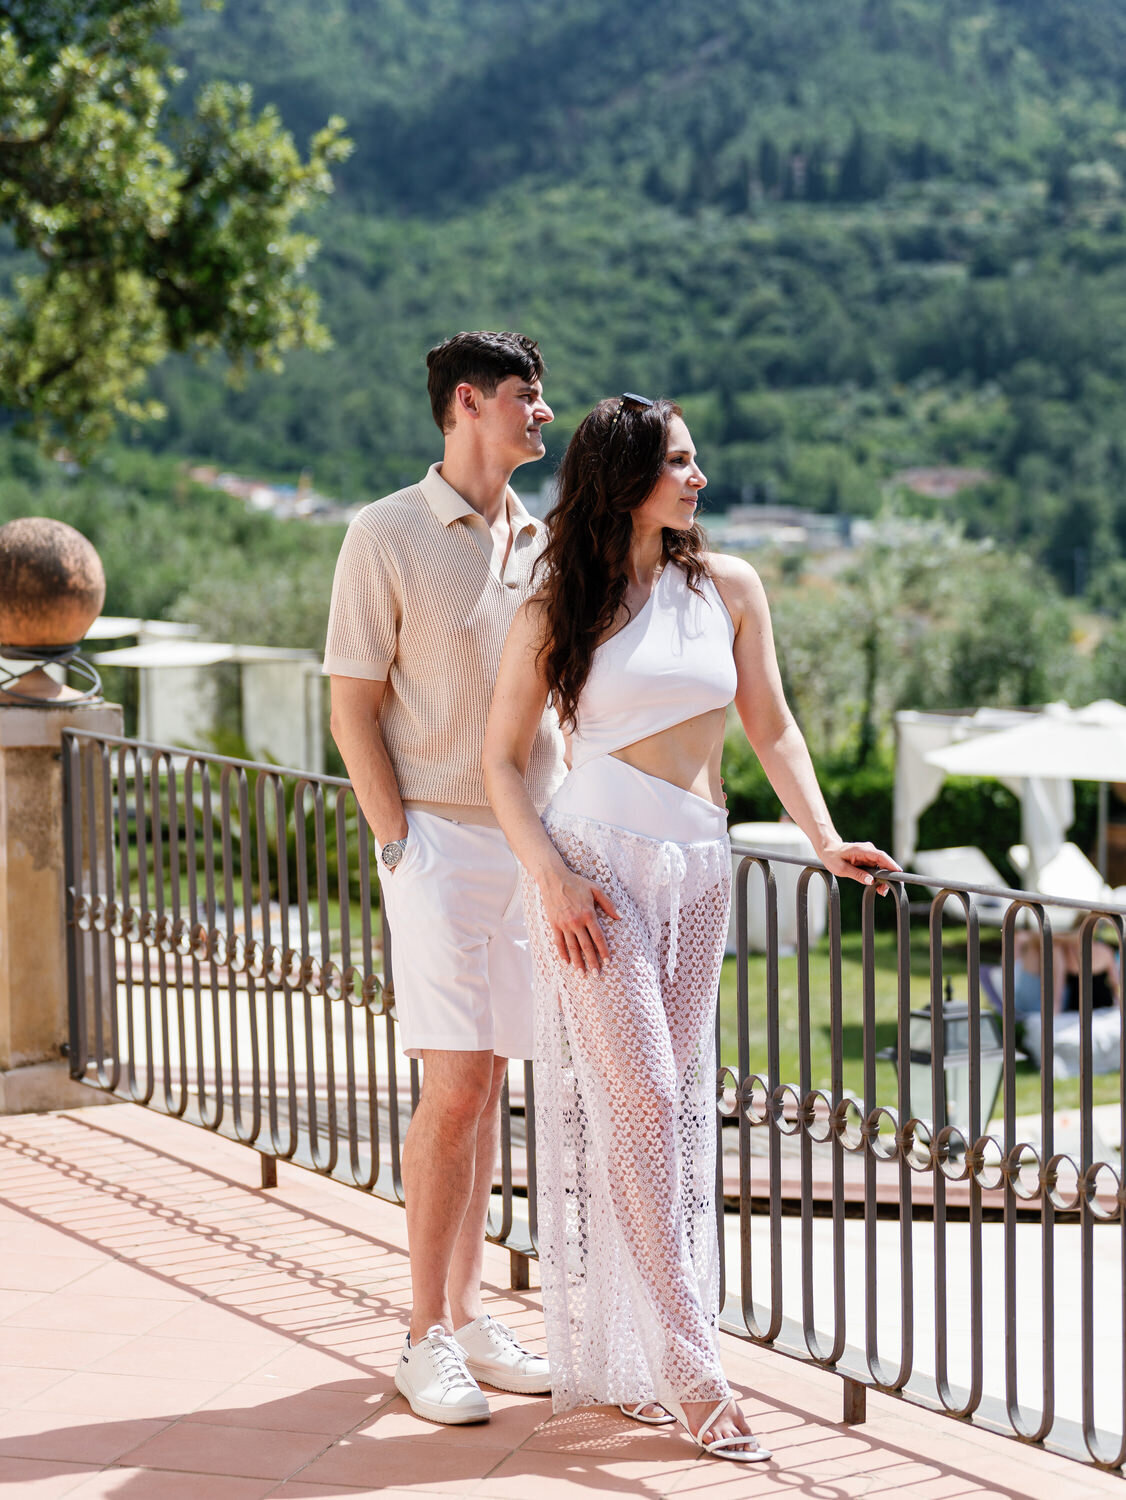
<point x="137" y="230"/>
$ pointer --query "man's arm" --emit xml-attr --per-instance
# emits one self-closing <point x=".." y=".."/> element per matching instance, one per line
<point x="356" y="702"/>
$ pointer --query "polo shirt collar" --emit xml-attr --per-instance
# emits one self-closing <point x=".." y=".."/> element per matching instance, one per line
<point x="448" y="506"/>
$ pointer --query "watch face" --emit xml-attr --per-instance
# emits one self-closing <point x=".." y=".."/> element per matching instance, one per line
<point x="392" y="853"/>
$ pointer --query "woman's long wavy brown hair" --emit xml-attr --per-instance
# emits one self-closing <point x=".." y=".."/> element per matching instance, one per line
<point x="610" y="466"/>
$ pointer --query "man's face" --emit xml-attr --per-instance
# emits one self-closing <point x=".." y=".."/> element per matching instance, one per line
<point x="511" y="419"/>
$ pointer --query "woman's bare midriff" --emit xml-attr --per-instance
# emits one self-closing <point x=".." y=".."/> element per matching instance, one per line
<point x="688" y="755"/>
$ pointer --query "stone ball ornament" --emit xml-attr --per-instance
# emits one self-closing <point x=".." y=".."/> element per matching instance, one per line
<point x="52" y="588"/>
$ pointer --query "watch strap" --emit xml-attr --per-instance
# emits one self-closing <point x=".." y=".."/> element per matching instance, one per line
<point x="392" y="852"/>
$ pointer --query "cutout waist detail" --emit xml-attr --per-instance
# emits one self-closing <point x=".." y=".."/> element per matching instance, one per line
<point x="611" y="791"/>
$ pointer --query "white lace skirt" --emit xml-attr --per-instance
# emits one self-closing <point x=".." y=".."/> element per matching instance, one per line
<point x="625" y="1098"/>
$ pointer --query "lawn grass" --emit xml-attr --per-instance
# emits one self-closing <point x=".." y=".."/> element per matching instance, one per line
<point x="1105" y="1090"/>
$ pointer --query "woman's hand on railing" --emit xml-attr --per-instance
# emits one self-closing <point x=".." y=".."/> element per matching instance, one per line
<point x="856" y="862"/>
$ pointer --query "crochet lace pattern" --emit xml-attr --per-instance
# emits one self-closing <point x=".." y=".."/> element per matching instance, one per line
<point x="626" y="1123"/>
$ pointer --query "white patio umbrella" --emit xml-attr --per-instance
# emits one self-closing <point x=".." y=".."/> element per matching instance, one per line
<point x="1086" y="744"/>
<point x="1063" y="744"/>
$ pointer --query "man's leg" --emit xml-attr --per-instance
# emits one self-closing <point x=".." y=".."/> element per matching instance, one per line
<point x="493" y="1353"/>
<point x="440" y="1157"/>
<point x="468" y="1260"/>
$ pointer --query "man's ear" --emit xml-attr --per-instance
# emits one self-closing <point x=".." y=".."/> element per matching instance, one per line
<point x="467" y="400"/>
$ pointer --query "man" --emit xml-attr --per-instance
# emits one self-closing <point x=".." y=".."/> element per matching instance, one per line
<point x="426" y="587"/>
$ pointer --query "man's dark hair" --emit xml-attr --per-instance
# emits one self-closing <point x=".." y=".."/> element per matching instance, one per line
<point x="482" y="359"/>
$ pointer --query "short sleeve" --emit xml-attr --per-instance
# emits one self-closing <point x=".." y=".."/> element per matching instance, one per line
<point x="363" y="620"/>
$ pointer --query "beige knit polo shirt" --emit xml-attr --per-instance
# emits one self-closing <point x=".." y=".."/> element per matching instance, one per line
<point x="421" y="600"/>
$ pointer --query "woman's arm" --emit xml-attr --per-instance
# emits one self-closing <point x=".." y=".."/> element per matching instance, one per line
<point x="770" y="727"/>
<point x="570" y="903"/>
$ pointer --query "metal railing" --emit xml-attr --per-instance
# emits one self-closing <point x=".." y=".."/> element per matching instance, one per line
<point x="229" y="965"/>
<point x="994" y="1289"/>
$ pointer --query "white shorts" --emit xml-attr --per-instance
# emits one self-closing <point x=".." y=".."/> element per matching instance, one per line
<point x="459" y="948"/>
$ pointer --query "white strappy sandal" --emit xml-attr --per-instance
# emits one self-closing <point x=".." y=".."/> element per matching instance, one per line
<point x="636" y="1413"/>
<point x="733" y="1448"/>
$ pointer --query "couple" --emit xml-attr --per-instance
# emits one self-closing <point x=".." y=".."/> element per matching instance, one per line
<point x="617" y="626"/>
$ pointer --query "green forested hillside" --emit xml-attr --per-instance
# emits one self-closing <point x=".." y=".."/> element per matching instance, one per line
<point x="853" y="236"/>
<point x="451" y="99"/>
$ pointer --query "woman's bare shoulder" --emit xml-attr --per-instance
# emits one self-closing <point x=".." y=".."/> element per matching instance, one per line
<point x="729" y="568"/>
<point x="738" y="583"/>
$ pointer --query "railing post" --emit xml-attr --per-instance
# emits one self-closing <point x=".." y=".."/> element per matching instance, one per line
<point x="855" y="1402"/>
<point x="34" y="1021"/>
<point x="518" y="1269"/>
<point x="269" y="1165"/>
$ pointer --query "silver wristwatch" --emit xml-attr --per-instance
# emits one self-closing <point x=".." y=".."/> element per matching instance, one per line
<point x="392" y="853"/>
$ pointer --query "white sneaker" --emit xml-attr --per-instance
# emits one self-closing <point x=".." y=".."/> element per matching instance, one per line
<point x="433" y="1378"/>
<point x="493" y="1355"/>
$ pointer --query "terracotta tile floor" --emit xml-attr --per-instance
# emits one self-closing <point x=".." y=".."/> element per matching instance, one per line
<point x="169" y="1331"/>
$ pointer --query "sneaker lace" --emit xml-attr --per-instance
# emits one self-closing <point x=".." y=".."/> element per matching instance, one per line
<point x="450" y="1362"/>
<point x="505" y="1334"/>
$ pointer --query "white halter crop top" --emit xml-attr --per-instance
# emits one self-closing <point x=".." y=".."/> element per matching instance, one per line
<point x="672" y="661"/>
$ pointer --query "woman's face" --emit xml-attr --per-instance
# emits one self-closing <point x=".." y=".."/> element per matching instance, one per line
<point x="672" y="500"/>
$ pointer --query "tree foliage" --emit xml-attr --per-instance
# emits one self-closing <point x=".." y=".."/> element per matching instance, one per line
<point x="925" y="619"/>
<point x="143" y="230"/>
<point x="855" y="238"/>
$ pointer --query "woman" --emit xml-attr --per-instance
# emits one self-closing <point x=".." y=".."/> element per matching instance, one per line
<point x="641" y="639"/>
<point x="1065" y="972"/>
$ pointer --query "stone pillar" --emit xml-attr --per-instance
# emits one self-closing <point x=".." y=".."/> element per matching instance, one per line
<point x="34" y="1074"/>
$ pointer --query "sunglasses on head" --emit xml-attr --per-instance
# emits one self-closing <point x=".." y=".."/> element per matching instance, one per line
<point x="640" y="401"/>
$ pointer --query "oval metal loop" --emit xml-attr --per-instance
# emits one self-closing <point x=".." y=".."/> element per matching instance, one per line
<point x="372" y="993"/>
<point x="310" y="974"/>
<point x="348" y="982"/>
<point x="131" y="924"/>
<point x="273" y="961"/>
<point x="884" y="1145"/>
<point x="786" y="1121"/>
<point x="848" y="1125"/>
<point x="162" y="932"/>
<point x="817" y="1111"/>
<point x="202" y="942"/>
<point x="98" y="913"/>
<point x="181" y="937"/>
<point x="113" y="919"/>
<point x="147" y="928"/>
<point x="82" y="914"/>
<point x="291" y="968"/>
<point x="1102" y="1197"/>
<point x="255" y="959"/>
<point x="987" y="1162"/>
<point x="916" y="1142"/>
<point x="951" y="1152"/>
<point x="236" y="953"/>
<point x="754" y="1099"/>
<point x="1023" y="1170"/>
<point x="726" y="1093"/>
<point x="331" y="981"/>
<point x="1061" y="1183"/>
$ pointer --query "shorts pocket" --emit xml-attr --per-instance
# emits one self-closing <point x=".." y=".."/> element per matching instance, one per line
<point x="412" y="851"/>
